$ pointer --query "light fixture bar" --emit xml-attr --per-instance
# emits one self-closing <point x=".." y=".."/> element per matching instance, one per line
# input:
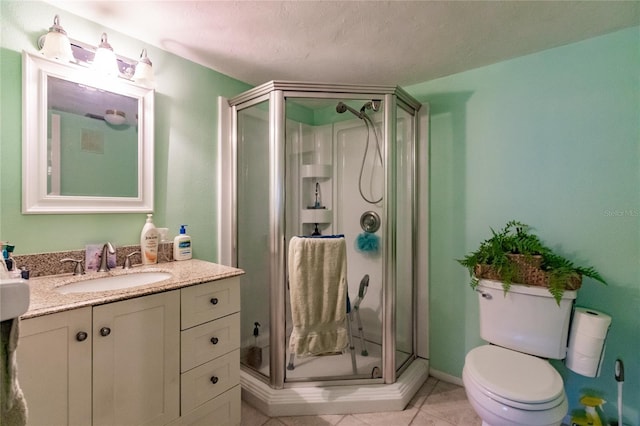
<point x="101" y="59"/>
<point x="84" y="54"/>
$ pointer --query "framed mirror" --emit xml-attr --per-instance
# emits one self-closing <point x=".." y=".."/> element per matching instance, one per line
<point x="87" y="141"/>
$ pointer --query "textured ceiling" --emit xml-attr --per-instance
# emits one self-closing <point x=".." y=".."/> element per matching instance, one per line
<point x="367" y="42"/>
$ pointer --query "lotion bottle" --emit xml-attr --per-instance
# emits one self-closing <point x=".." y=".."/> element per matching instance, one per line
<point x="182" y="245"/>
<point x="149" y="242"/>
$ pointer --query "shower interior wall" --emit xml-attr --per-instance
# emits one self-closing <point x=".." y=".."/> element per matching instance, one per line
<point x="337" y="149"/>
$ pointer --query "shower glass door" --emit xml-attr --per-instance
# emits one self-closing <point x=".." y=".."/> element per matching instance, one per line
<point x="405" y="212"/>
<point x="335" y="168"/>
<point x="253" y="234"/>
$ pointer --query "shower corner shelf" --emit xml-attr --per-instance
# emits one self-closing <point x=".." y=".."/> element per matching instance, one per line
<point x="316" y="170"/>
<point x="316" y="216"/>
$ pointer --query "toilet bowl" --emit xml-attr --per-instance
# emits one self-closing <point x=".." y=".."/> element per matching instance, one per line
<point x="506" y="387"/>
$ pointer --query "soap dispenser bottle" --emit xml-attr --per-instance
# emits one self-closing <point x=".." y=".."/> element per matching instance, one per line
<point x="182" y="245"/>
<point x="149" y="242"/>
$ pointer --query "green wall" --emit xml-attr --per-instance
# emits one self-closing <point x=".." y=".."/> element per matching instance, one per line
<point x="185" y="142"/>
<point x="553" y="140"/>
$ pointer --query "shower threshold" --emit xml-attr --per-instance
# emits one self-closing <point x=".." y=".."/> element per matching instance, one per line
<point x="330" y="367"/>
<point x="343" y="399"/>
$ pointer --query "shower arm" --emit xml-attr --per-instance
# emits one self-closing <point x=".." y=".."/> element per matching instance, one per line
<point x="342" y="107"/>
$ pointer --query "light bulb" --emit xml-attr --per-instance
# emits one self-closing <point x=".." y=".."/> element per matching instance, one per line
<point x="105" y="61"/>
<point x="144" y="71"/>
<point x="56" y="44"/>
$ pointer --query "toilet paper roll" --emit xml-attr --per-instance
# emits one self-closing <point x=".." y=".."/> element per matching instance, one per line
<point x="585" y="365"/>
<point x="586" y="341"/>
<point x="590" y="322"/>
<point x="586" y="345"/>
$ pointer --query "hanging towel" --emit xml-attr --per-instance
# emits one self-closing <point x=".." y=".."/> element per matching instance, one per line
<point x="318" y="293"/>
<point x="13" y="408"/>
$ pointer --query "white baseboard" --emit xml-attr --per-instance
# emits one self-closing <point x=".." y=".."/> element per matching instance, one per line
<point x="445" y="377"/>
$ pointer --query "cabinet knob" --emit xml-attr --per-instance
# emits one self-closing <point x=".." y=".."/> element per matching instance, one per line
<point x="214" y="380"/>
<point x="214" y="300"/>
<point x="105" y="331"/>
<point x="214" y="340"/>
<point x="81" y="336"/>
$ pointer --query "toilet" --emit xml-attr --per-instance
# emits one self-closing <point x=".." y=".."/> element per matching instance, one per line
<point x="509" y="381"/>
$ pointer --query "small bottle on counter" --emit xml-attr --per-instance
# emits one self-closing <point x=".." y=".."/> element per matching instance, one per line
<point x="182" y="245"/>
<point x="149" y="242"/>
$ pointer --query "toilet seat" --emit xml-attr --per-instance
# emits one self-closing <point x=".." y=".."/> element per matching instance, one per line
<point x="514" y="379"/>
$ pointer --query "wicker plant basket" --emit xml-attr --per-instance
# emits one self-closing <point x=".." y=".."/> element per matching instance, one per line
<point x="527" y="272"/>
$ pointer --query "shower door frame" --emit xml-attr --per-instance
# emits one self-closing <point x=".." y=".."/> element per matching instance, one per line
<point x="276" y="92"/>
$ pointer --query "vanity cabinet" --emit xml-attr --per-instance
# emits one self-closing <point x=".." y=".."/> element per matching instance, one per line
<point x="169" y="358"/>
<point x="210" y="348"/>
<point x="135" y="381"/>
<point x="54" y="367"/>
<point x="113" y="364"/>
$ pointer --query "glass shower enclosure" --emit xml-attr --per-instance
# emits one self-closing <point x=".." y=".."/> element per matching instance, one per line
<point x="314" y="159"/>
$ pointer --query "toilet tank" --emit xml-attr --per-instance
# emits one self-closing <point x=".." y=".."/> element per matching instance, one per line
<point x="526" y="319"/>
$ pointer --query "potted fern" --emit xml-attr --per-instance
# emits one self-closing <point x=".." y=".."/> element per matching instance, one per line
<point x="515" y="255"/>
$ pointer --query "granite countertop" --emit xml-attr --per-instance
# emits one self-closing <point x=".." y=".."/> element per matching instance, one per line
<point x="45" y="300"/>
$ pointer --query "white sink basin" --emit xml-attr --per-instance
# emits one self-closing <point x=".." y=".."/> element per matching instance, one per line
<point x="117" y="282"/>
<point x="14" y="298"/>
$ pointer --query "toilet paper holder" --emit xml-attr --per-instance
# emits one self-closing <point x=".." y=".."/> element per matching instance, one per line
<point x="587" y="340"/>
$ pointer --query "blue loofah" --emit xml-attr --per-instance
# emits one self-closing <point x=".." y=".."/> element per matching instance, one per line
<point x="368" y="242"/>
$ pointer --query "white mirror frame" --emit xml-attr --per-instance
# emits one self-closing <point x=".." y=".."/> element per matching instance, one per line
<point x="35" y="199"/>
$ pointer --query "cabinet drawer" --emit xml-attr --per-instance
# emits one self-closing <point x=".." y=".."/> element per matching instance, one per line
<point x="197" y="385"/>
<point x="205" y="342"/>
<point x="223" y="410"/>
<point x="205" y="302"/>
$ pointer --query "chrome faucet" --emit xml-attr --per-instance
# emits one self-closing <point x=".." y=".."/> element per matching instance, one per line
<point x="106" y="250"/>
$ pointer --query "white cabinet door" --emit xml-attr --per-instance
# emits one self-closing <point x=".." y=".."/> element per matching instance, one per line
<point x="136" y="361"/>
<point x="54" y="367"/>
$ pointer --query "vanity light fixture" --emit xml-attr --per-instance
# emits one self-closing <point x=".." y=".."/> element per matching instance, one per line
<point x="55" y="44"/>
<point x="105" y="61"/>
<point x="115" y="117"/>
<point x="144" y="71"/>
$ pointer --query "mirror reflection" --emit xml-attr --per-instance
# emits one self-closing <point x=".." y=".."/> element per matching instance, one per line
<point x="92" y="141"/>
<point x="87" y="141"/>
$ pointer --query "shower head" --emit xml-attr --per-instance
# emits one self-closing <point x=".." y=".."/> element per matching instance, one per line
<point x="372" y="105"/>
<point x="342" y="107"/>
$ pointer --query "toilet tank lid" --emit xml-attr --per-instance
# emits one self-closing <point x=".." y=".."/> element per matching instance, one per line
<point x="514" y="375"/>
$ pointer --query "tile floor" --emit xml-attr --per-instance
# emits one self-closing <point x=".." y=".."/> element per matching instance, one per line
<point x="437" y="403"/>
